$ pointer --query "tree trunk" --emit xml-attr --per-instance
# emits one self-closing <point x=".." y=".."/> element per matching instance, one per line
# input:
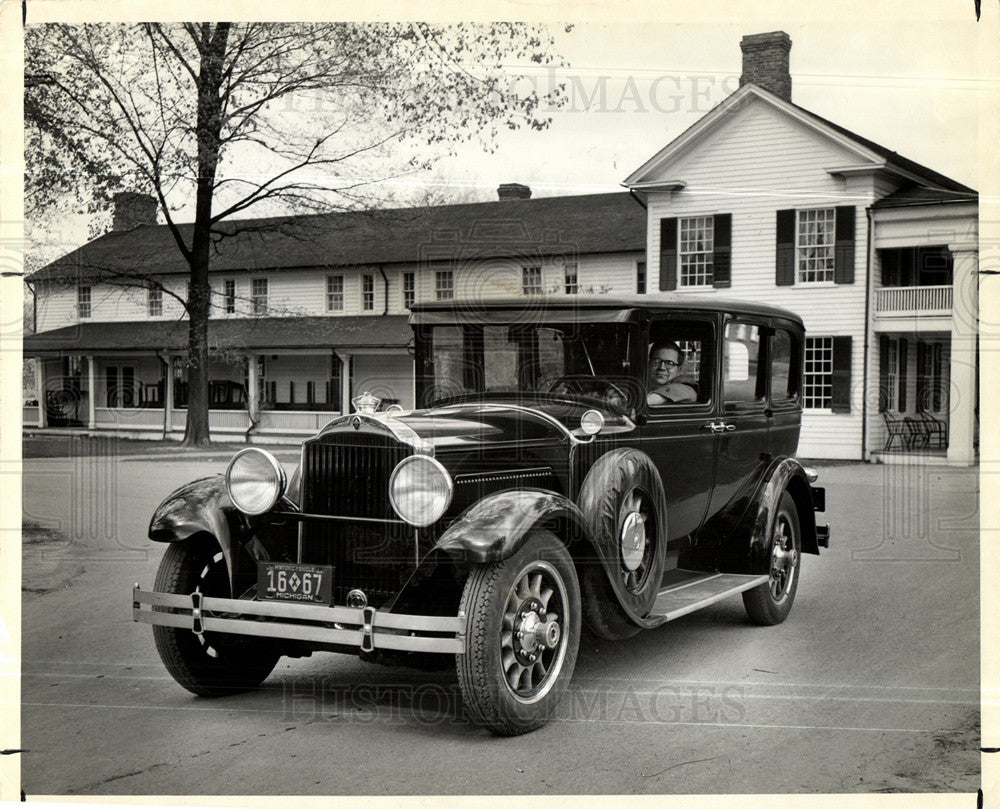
<point x="211" y="48"/>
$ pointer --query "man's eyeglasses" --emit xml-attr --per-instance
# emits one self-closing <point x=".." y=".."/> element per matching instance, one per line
<point x="656" y="361"/>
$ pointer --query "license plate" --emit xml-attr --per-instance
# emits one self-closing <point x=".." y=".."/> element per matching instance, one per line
<point x="286" y="581"/>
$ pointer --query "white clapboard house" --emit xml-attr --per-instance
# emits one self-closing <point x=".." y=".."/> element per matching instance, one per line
<point x="760" y="199"/>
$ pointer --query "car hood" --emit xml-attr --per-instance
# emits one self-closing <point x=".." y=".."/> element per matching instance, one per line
<point x="484" y="422"/>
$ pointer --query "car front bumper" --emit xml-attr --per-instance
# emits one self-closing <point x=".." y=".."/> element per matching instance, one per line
<point x="367" y="628"/>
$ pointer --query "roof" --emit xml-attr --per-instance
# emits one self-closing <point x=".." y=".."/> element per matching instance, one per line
<point x="603" y="308"/>
<point x="895" y="158"/>
<point x="569" y="226"/>
<point x="722" y="112"/>
<point x="386" y="331"/>
<point x="918" y="195"/>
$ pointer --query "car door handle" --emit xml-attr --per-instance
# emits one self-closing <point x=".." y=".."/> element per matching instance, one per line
<point x="718" y="426"/>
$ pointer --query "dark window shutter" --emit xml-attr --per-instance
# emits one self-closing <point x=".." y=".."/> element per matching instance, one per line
<point x="883" y="373"/>
<point x="668" y="254"/>
<point x="923" y="354"/>
<point x="784" y="253"/>
<point x="902" y="376"/>
<point x="843" y="261"/>
<point x="841" y="402"/>
<point x="722" y="250"/>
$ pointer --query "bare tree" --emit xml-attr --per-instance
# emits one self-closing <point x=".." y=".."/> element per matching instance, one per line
<point x="225" y="117"/>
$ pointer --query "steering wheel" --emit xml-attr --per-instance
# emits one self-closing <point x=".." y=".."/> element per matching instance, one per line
<point x="580" y="384"/>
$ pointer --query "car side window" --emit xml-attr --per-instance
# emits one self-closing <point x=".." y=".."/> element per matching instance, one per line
<point x="741" y="358"/>
<point x="784" y="365"/>
<point x="679" y="363"/>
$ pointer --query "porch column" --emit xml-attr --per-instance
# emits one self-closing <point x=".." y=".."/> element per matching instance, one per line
<point x="168" y="396"/>
<point x="964" y="328"/>
<point x="91" y="393"/>
<point x="43" y="421"/>
<point x="253" y="383"/>
<point x="345" y="383"/>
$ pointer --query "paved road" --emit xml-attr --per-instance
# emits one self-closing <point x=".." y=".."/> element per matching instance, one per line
<point x="872" y="684"/>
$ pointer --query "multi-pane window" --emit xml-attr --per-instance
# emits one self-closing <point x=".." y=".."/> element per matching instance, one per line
<point x="83" y="301"/>
<point x="334" y="293"/>
<point x="816" y="242"/>
<point x="571" y="279"/>
<point x="409" y="289"/>
<point x="695" y="245"/>
<point x="692" y="356"/>
<point x="640" y="277"/>
<point x="367" y="292"/>
<point x="818" y="384"/>
<point x="154" y="301"/>
<point x="444" y="285"/>
<point x="229" y="296"/>
<point x="531" y="280"/>
<point x="258" y="296"/>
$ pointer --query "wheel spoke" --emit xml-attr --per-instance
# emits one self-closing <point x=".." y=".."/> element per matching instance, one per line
<point x="521" y="589"/>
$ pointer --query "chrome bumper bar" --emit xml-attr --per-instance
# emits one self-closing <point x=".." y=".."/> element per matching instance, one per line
<point x="367" y="628"/>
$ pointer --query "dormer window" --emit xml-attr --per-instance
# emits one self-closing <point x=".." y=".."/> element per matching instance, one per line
<point x="83" y="301"/>
<point x="258" y="296"/>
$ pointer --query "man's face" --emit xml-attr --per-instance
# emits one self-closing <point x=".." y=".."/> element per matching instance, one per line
<point x="664" y="366"/>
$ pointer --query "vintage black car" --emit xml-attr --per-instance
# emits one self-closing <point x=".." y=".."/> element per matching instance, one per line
<point x="598" y="462"/>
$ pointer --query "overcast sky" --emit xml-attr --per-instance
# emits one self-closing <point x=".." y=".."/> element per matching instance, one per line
<point x="915" y="87"/>
<point x="912" y="76"/>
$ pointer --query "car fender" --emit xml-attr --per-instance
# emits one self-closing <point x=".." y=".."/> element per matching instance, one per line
<point x="784" y="474"/>
<point x="493" y="528"/>
<point x="198" y="507"/>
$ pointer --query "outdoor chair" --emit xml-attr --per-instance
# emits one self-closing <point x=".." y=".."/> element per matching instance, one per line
<point x="896" y="429"/>
<point x="917" y="433"/>
<point x="933" y="429"/>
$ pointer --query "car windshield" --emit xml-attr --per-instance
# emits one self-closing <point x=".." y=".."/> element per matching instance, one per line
<point x="588" y="360"/>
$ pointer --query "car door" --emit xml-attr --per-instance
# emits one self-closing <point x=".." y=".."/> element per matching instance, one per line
<point x="678" y="435"/>
<point x="742" y="430"/>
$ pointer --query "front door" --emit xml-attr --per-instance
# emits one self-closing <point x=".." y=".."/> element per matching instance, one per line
<point x="678" y="435"/>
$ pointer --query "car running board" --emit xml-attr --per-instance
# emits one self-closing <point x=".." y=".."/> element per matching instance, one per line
<point x="696" y="590"/>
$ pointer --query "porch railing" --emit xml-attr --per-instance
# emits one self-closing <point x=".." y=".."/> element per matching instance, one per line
<point x="914" y="300"/>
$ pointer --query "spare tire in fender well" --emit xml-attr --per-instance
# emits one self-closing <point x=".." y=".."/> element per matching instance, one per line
<point x="609" y="481"/>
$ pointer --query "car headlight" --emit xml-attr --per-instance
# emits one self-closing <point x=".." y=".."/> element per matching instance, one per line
<point x="420" y="490"/>
<point x="255" y="481"/>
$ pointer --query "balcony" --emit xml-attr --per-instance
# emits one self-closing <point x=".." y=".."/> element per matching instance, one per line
<point x="935" y="301"/>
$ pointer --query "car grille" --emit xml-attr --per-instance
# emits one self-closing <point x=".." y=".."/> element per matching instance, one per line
<point x="347" y="475"/>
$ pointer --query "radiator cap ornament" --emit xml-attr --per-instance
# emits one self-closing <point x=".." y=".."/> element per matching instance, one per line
<point x="366" y="403"/>
<point x="356" y="599"/>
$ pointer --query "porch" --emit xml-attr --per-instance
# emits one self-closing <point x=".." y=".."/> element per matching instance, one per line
<point x="922" y="415"/>
<point x="282" y="389"/>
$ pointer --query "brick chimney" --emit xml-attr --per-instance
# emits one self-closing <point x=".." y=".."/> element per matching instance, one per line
<point x="132" y="210"/>
<point x="513" y="191"/>
<point x="765" y="62"/>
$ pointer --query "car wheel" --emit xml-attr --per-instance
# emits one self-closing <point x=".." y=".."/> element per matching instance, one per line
<point x="769" y="603"/>
<point x="208" y="664"/>
<point x="618" y="497"/>
<point x="522" y="637"/>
